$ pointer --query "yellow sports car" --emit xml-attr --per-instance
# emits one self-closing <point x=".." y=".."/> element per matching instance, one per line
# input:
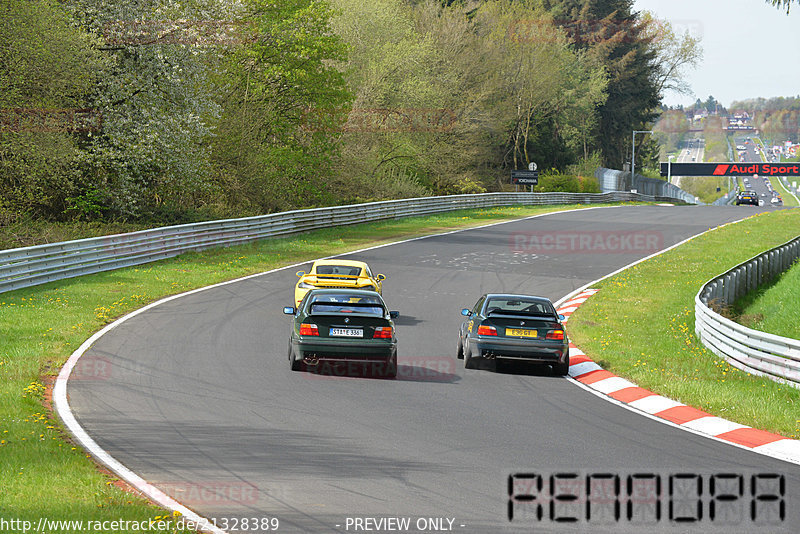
<point x="345" y="274"/>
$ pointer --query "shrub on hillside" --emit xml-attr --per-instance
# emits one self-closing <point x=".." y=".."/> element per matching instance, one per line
<point x="568" y="183"/>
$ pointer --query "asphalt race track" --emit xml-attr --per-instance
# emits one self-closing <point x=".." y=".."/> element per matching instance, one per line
<point x="198" y="398"/>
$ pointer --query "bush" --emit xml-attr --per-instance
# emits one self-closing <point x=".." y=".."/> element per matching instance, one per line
<point x="568" y="183"/>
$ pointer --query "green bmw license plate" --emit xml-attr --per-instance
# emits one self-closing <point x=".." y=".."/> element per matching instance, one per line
<point x="521" y="332"/>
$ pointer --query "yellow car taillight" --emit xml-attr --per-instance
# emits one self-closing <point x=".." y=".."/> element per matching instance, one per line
<point x="485" y="330"/>
<point x="555" y="334"/>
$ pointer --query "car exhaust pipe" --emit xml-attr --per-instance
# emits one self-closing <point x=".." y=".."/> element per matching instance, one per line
<point x="311" y="360"/>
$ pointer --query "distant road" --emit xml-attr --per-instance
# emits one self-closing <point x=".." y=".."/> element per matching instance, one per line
<point x="752" y="155"/>
<point x="690" y="150"/>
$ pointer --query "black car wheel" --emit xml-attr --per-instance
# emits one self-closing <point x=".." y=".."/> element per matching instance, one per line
<point x="296" y="365"/>
<point x="469" y="363"/>
<point x="460" y="350"/>
<point x="561" y="369"/>
<point x="391" y="367"/>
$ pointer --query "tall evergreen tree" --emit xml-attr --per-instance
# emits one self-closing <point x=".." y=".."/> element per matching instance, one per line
<point x="611" y="31"/>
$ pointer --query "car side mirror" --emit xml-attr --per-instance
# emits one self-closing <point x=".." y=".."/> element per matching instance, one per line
<point x="300" y="273"/>
<point x="561" y="317"/>
<point x="288" y="310"/>
<point x="466" y="312"/>
<point x="380" y="277"/>
<point x="394" y="314"/>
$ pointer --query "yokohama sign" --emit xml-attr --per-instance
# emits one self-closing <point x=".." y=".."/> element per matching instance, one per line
<point x="732" y="169"/>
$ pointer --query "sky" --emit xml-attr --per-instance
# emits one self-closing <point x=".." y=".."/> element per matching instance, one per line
<point x="750" y="48"/>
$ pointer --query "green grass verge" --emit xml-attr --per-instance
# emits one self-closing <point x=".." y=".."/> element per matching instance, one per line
<point x="716" y="145"/>
<point x="788" y="198"/>
<point x="773" y="308"/>
<point x="641" y="326"/>
<point x="41" y="472"/>
<point x="705" y="187"/>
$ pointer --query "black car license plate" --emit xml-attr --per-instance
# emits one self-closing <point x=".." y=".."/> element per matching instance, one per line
<point x="347" y="332"/>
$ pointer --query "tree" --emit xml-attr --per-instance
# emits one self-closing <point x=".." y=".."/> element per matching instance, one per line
<point x="671" y="129"/>
<point x="531" y="71"/>
<point x="286" y="69"/>
<point x="48" y="69"/>
<point x="508" y="79"/>
<point x="674" y="53"/>
<point x="611" y="34"/>
<point x="420" y="75"/>
<point x="782" y="3"/>
<point x="150" y="159"/>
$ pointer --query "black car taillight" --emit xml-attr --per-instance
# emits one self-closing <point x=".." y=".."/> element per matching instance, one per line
<point x="382" y="332"/>
<point x="309" y="329"/>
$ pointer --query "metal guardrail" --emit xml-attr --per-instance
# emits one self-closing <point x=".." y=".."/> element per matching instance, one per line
<point x="614" y="180"/>
<point x="729" y="197"/>
<point x="724" y="200"/>
<point x="29" y="266"/>
<point x="756" y="352"/>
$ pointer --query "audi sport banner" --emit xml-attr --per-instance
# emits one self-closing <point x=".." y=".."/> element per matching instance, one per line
<point x="732" y="169"/>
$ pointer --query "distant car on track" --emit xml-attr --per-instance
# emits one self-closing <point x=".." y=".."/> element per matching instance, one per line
<point x="747" y="197"/>
<point x="513" y="328"/>
<point x="343" y="326"/>
<point x="337" y="274"/>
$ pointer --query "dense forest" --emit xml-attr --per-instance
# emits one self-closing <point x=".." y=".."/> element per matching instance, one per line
<point x="778" y="119"/>
<point x="167" y="111"/>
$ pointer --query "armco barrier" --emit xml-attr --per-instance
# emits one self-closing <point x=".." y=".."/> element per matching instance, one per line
<point x="24" y="267"/>
<point x="750" y="350"/>
<point x="614" y="180"/>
